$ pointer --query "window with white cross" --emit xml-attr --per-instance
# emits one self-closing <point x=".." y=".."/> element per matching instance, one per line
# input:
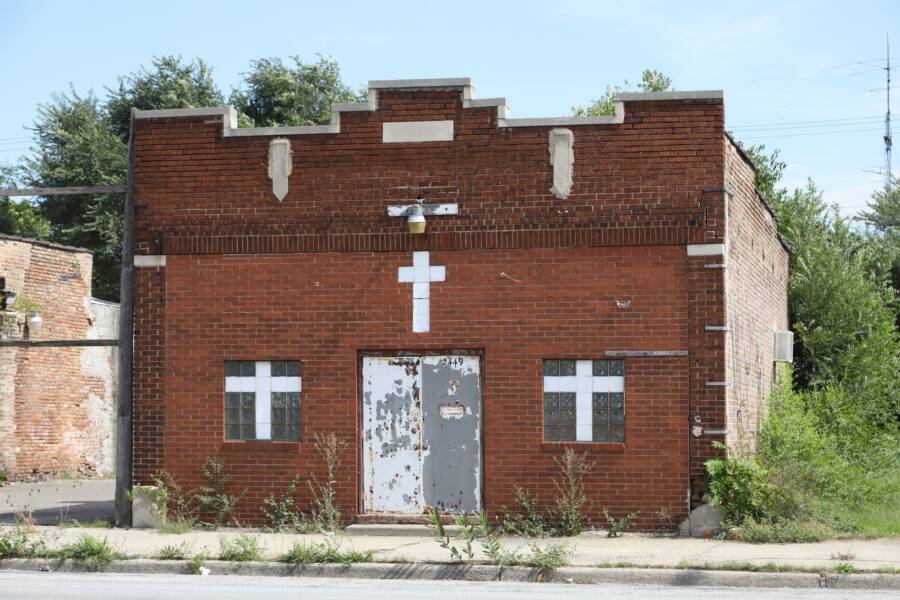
<point x="584" y="400"/>
<point x="262" y="400"/>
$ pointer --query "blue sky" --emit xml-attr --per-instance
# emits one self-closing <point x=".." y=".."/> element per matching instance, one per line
<point x="777" y="61"/>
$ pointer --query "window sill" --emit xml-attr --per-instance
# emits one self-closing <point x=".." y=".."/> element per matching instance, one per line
<point x="270" y="445"/>
<point x="591" y="447"/>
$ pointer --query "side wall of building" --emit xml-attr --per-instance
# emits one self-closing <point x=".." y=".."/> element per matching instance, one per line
<point x="756" y="293"/>
<point x="57" y="404"/>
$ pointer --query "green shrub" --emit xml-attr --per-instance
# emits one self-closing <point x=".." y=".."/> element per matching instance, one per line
<point x="618" y="526"/>
<point x="195" y="565"/>
<point x="327" y="516"/>
<point x="526" y="520"/>
<point x="491" y="545"/>
<point x="782" y="531"/>
<point x="547" y="558"/>
<point x="242" y="548"/>
<point x="95" y="554"/>
<point x="17" y="542"/>
<point x="176" y="526"/>
<point x="213" y="496"/>
<point x="179" y="506"/>
<point x="741" y="486"/>
<point x="467" y="531"/>
<point x="281" y="513"/>
<point x="571" y="500"/>
<point x="172" y="552"/>
<point x="324" y="552"/>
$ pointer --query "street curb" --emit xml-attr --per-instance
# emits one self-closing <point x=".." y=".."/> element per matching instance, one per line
<point x="430" y="571"/>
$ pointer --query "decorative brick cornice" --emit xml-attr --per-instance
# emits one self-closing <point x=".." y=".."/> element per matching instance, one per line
<point x="402" y="242"/>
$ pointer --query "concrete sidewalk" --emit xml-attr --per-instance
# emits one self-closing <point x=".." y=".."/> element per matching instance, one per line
<point x="590" y="549"/>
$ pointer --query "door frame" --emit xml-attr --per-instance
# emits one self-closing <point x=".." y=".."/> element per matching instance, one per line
<point x="360" y="464"/>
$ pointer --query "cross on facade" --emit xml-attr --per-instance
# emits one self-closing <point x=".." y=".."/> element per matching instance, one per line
<point x="421" y="274"/>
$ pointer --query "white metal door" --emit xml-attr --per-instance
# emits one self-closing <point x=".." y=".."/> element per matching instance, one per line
<point x="392" y="425"/>
<point x="421" y="433"/>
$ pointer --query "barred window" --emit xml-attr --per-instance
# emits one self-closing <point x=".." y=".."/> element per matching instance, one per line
<point x="584" y="400"/>
<point x="262" y="400"/>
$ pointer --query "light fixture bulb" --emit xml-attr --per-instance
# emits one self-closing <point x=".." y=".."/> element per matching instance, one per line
<point x="415" y="223"/>
<point x="35" y="323"/>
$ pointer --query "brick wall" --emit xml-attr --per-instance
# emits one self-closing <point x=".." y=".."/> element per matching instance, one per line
<point x="756" y="305"/>
<point x="314" y="278"/>
<point x="559" y="307"/>
<point x="56" y="404"/>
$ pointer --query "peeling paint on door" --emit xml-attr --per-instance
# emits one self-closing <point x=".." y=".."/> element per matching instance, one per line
<point x="421" y="433"/>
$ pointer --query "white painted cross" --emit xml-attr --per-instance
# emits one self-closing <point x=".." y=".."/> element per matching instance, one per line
<point x="421" y="274"/>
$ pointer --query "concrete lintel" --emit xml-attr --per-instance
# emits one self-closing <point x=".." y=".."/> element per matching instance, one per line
<point x="705" y="249"/>
<point x="717" y="328"/>
<point x="718" y="383"/>
<point x="149" y="260"/>
<point x="717" y="266"/>
<point x="402" y="210"/>
<point x="669" y="96"/>
<point x="644" y="353"/>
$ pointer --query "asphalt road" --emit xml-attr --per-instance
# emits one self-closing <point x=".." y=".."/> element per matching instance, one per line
<point x="66" y="586"/>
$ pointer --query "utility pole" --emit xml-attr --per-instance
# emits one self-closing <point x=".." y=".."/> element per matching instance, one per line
<point x="887" y="122"/>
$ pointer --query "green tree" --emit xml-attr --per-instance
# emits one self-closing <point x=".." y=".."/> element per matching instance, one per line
<point x="22" y="219"/>
<point x="840" y="297"/>
<point x="75" y="145"/>
<point x="19" y="217"/>
<point x="170" y="83"/>
<point x="651" y="81"/>
<point x="80" y="140"/>
<point x="276" y="94"/>
<point x="883" y="217"/>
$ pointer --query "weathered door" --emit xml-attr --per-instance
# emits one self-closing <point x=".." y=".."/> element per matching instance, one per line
<point x="421" y="433"/>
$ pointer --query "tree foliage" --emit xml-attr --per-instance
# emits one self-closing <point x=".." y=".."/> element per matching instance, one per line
<point x="883" y="217"/>
<point x="81" y="140"/>
<point x="651" y="81"/>
<point x="840" y="296"/>
<point x="276" y="94"/>
<point x="74" y="145"/>
<point x="170" y="83"/>
<point x="20" y="217"/>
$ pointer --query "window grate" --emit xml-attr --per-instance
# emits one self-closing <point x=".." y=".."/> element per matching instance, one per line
<point x="262" y="400"/>
<point x="584" y="400"/>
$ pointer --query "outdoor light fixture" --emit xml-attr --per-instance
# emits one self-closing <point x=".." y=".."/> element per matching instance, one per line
<point x="7" y="297"/>
<point x="35" y="323"/>
<point x="415" y="223"/>
<point x="415" y="213"/>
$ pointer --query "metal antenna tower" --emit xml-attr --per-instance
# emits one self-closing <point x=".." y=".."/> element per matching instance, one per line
<point x="887" y="122"/>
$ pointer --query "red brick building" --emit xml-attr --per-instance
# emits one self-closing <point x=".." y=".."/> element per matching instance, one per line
<point x="57" y="404"/>
<point x="611" y="284"/>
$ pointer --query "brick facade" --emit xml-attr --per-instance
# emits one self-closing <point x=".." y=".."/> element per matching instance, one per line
<point x="56" y="404"/>
<point x="530" y="276"/>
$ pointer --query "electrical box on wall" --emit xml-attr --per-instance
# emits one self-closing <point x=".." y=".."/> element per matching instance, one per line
<point x="784" y="346"/>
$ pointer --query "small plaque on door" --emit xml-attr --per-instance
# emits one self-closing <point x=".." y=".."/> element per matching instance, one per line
<point x="452" y="411"/>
